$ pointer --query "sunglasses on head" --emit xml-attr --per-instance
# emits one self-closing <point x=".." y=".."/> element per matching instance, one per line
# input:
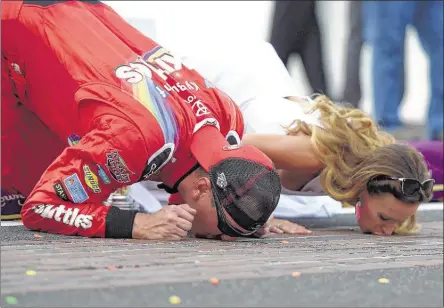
<point x="410" y="188"/>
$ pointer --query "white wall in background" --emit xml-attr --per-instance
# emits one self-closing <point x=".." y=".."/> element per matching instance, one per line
<point x="177" y="23"/>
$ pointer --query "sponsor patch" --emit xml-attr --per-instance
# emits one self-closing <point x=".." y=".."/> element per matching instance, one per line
<point x="73" y="139"/>
<point x="75" y="188"/>
<point x="159" y="159"/>
<point x="117" y="167"/>
<point x="67" y="216"/>
<point x="91" y="179"/>
<point x="60" y="191"/>
<point x="103" y="175"/>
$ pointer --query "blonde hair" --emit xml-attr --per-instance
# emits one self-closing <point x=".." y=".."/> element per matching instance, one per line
<point x="354" y="150"/>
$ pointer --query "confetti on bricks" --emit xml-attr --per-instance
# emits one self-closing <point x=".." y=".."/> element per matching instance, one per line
<point x="296" y="274"/>
<point x="383" y="280"/>
<point x="11" y="300"/>
<point x="37" y="236"/>
<point x="31" y="273"/>
<point x="214" y="281"/>
<point x="112" y="268"/>
<point x="284" y="242"/>
<point x="174" y="300"/>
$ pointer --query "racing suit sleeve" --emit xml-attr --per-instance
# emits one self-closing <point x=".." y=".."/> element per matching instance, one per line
<point x="68" y="199"/>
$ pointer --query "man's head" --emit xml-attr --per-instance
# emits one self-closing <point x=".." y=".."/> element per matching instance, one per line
<point x="235" y="190"/>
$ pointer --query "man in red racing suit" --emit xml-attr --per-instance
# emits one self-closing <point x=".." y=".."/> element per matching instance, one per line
<point x="89" y="105"/>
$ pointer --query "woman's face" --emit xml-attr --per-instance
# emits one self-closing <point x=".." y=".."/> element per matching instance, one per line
<point x="380" y="214"/>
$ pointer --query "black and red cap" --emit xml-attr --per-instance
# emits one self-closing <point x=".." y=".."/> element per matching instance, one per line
<point x="244" y="181"/>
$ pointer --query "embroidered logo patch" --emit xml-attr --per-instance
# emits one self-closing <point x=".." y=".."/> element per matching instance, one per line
<point x="60" y="191"/>
<point x="75" y="188"/>
<point x="91" y="179"/>
<point x="117" y="167"/>
<point x="103" y="175"/>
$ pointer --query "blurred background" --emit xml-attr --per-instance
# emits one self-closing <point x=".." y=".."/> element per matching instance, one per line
<point x="325" y="44"/>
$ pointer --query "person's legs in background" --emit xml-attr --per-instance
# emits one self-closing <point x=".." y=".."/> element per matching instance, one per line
<point x="385" y="25"/>
<point x="311" y="53"/>
<point x="295" y="30"/>
<point x="429" y="24"/>
<point x="284" y="28"/>
<point x="352" y="88"/>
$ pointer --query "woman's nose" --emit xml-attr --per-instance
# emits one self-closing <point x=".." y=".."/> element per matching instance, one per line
<point x="388" y="229"/>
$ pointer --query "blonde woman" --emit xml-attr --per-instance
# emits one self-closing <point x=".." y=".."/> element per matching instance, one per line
<point x="339" y="151"/>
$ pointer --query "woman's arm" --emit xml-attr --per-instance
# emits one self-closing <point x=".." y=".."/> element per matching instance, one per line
<point x="290" y="153"/>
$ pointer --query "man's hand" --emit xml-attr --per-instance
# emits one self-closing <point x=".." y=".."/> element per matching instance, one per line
<point x="170" y="223"/>
<point x="281" y="226"/>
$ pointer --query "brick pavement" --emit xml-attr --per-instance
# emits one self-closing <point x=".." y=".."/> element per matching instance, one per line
<point x="64" y="263"/>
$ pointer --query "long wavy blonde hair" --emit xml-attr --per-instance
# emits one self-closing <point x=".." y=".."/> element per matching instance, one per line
<point x="354" y="150"/>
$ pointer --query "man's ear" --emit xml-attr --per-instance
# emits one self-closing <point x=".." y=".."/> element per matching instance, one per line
<point x="202" y="187"/>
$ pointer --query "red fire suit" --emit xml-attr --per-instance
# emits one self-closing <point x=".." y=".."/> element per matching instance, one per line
<point x="89" y="105"/>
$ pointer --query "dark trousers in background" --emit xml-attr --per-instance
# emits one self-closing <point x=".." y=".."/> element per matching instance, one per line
<point x="295" y="30"/>
<point x="385" y="25"/>
<point x="352" y="89"/>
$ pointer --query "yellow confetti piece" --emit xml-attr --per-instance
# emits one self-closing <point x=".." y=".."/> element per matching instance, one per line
<point x="284" y="242"/>
<point x="383" y="280"/>
<point x="174" y="300"/>
<point x="296" y="274"/>
<point x="11" y="300"/>
<point x="31" y="273"/>
<point x="214" y="281"/>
